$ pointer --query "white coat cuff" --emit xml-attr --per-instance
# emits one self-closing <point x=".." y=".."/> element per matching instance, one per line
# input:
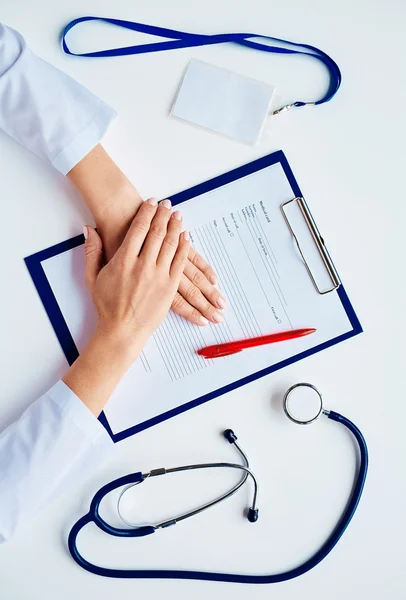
<point x="73" y="409"/>
<point x="86" y="140"/>
<point x="56" y="443"/>
<point x="44" y="109"/>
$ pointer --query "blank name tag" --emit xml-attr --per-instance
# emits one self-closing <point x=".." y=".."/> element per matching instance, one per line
<point x="224" y="102"/>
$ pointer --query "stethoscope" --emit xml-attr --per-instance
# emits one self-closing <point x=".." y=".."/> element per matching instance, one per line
<point x="293" y="407"/>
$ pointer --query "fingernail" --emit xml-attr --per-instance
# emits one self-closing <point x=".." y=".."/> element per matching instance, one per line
<point x="221" y="302"/>
<point x="203" y="321"/>
<point x="186" y="236"/>
<point x="217" y="316"/>
<point x="213" y="279"/>
<point x="152" y="201"/>
<point x="166" y="203"/>
<point x="177" y="215"/>
<point x="85" y="232"/>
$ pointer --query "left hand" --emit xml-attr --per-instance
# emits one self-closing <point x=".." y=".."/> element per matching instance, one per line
<point x="197" y="299"/>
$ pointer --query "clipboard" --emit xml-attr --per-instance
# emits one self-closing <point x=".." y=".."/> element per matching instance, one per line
<point x="317" y="248"/>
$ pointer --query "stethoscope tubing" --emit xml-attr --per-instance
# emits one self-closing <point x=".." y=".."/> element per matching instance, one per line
<point x="212" y="576"/>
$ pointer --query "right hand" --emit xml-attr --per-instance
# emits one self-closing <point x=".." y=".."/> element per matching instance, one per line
<point x="133" y="293"/>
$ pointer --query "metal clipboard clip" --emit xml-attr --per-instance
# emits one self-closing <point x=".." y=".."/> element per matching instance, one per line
<point x="318" y="241"/>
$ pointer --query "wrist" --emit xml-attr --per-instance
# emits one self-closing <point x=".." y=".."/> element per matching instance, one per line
<point x="119" y="204"/>
<point x="102" y="184"/>
<point x="119" y="341"/>
<point x="113" y="216"/>
<point x="105" y="360"/>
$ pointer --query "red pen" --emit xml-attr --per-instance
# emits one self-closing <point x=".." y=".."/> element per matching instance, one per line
<point x="233" y="347"/>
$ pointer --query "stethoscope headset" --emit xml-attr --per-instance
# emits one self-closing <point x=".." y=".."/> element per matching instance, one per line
<point x="133" y="530"/>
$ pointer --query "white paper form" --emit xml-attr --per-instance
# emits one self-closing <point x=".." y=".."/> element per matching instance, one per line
<point x="240" y="229"/>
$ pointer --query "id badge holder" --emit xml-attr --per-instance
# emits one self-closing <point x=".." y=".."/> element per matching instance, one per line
<point x="230" y="104"/>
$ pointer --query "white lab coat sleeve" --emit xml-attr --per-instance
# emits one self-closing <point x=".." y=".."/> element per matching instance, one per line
<point x="44" y="109"/>
<point x="54" y="444"/>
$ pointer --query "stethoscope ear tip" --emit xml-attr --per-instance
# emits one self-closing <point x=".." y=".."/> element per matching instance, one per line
<point x="252" y="515"/>
<point x="230" y="436"/>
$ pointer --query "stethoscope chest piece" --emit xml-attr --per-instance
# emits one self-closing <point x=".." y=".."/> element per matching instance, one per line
<point x="303" y="404"/>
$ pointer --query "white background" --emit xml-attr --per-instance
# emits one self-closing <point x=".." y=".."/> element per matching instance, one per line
<point x="348" y="157"/>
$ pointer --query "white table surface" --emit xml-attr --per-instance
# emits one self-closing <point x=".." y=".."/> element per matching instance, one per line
<point x="348" y="157"/>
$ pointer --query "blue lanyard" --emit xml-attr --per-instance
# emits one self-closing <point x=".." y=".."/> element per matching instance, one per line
<point x="180" y="39"/>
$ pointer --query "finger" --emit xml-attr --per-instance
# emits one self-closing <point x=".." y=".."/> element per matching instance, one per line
<point x="199" y="262"/>
<point x="138" y="230"/>
<point x="180" y="258"/>
<point x="93" y="256"/>
<point x="185" y="310"/>
<point x="195" y="298"/>
<point x="199" y="280"/>
<point x="171" y="241"/>
<point x="157" y="231"/>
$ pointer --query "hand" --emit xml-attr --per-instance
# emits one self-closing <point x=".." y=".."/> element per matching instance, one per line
<point x="132" y="294"/>
<point x="197" y="300"/>
<point x="134" y="291"/>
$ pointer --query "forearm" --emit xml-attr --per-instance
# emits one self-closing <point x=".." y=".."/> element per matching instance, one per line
<point x="101" y="182"/>
<point x="110" y="196"/>
<point x="97" y="371"/>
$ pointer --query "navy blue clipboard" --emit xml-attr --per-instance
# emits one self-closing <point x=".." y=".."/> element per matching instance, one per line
<point x="64" y="336"/>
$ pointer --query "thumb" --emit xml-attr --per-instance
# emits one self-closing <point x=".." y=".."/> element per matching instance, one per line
<point x="93" y="255"/>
